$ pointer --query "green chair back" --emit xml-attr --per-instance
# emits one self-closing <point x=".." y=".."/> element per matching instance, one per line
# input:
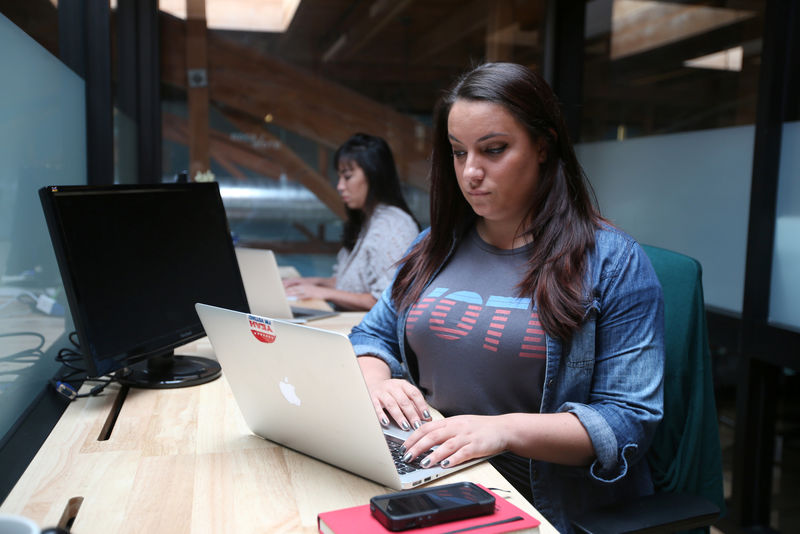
<point x="685" y="456"/>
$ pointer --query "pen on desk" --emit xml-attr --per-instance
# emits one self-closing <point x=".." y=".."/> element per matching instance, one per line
<point x="493" y="523"/>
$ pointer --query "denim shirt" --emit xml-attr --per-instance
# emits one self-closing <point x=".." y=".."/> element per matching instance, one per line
<point x="609" y="375"/>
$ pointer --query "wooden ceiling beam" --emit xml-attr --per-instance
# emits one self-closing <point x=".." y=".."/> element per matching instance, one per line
<point x="272" y="160"/>
<point x="256" y="84"/>
<point x="642" y="26"/>
<point x="294" y="167"/>
<point x="197" y="93"/>
<point x="232" y="169"/>
<point x="464" y="21"/>
<point x="175" y="129"/>
<point x="672" y="55"/>
<point x="364" y="29"/>
<point x="365" y="73"/>
<point x="501" y="20"/>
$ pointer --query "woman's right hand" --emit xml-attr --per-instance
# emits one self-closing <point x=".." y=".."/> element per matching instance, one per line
<point x="293" y="281"/>
<point x="309" y="280"/>
<point x="393" y="397"/>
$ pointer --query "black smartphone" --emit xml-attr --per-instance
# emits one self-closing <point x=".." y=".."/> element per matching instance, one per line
<point x="431" y="506"/>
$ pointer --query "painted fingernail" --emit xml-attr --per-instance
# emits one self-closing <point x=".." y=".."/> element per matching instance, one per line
<point x="407" y="458"/>
<point x="405" y="426"/>
<point x="426" y="462"/>
<point x="426" y="414"/>
<point x="402" y="449"/>
<point x="444" y="463"/>
<point x="417" y="424"/>
<point x="384" y="421"/>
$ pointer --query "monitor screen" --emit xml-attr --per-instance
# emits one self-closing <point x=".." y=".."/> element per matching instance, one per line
<point x="134" y="260"/>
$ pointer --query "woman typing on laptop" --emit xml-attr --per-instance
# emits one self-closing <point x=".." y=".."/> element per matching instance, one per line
<point x="524" y="317"/>
<point x="378" y="229"/>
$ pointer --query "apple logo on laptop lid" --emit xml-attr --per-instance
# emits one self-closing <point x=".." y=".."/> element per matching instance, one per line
<point x="288" y="392"/>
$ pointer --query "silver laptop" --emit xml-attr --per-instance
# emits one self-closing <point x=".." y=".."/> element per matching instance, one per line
<point x="302" y="387"/>
<point x="264" y="288"/>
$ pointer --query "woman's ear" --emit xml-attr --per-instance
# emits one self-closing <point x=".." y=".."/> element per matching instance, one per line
<point x="541" y="151"/>
<point x="543" y="144"/>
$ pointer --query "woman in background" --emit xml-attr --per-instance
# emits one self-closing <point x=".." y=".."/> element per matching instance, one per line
<point x="533" y="325"/>
<point x="378" y="230"/>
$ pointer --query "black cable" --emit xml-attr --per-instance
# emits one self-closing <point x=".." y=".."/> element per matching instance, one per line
<point x="67" y="356"/>
<point x="73" y="337"/>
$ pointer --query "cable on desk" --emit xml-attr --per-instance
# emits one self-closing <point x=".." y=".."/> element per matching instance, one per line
<point x="67" y="356"/>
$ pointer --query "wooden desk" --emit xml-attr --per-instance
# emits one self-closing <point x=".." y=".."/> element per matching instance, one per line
<point x="183" y="460"/>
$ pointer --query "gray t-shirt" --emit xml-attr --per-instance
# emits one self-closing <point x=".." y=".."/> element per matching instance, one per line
<point x="480" y="349"/>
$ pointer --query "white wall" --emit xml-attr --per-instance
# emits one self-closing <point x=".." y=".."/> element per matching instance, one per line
<point x="688" y="192"/>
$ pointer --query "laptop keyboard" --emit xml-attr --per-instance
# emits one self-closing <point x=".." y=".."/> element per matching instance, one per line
<point x="403" y="467"/>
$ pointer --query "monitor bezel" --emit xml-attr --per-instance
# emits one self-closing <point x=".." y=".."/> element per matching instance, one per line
<point x="98" y="364"/>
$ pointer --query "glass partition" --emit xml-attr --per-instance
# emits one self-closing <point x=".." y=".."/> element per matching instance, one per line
<point x="42" y="142"/>
<point x="784" y="303"/>
<point x="688" y="192"/>
<point x="667" y="127"/>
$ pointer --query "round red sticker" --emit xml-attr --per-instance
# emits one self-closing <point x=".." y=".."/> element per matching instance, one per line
<point x="261" y="329"/>
<point x="263" y="337"/>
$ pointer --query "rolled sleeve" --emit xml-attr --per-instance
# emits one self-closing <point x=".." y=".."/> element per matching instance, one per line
<point x="627" y="390"/>
<point x="625" y="400"/>
<point x="603" y="439"/>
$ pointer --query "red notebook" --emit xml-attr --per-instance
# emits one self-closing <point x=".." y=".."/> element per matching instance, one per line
<point x="359" y="519"/>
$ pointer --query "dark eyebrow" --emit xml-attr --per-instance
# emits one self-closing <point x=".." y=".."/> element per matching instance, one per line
<point x="483" y="138"/>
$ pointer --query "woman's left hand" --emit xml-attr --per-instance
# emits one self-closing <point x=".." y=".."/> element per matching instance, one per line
<point x="460" y="438"/>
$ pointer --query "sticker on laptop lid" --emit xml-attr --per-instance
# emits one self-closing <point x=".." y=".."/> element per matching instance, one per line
<point x="261" y="329"/>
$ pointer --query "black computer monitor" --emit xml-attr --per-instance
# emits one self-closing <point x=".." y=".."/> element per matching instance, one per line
<point x="134" y="260"/>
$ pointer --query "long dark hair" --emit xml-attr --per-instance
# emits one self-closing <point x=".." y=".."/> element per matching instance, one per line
<point x="375" y="158"/>
<point x="562" y="216"/>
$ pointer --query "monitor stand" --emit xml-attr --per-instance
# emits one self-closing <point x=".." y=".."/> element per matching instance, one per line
<point x="170" y="371"/>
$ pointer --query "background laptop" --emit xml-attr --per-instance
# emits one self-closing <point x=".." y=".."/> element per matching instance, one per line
<point x="264" y="288"/>
<point x="302" y="387"/>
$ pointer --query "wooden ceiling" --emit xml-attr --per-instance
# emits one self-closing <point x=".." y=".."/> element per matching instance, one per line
<point x="402" y="53"/>
<point x="379" y="66"/>
<point x="341" y="67"/>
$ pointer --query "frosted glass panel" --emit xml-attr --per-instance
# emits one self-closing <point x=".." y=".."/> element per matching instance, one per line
<point x="784" y="302"/>
<point x="688" y="192"/>
<point x="42" y="142"/>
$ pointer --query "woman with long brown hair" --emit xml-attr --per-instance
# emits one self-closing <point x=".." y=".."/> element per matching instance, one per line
<point x="532" y="324"/>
